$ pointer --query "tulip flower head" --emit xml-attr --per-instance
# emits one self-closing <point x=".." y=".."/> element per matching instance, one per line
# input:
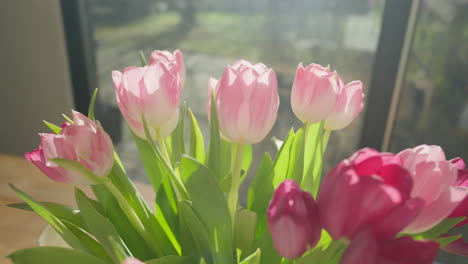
<point x="434" y="178"/>
<point x="293" y="220"/>
<point x="132" y="261"/>
<point x="347" y="107"/>
<point x="247" y="101"/>
<point x="368" y="190"/>
<point x="84" y="141"/>
<point x="174" y="62"/>
<point x="314" y="93"/>
<point x="152" y="91"/>
<point x="365" y="249"/>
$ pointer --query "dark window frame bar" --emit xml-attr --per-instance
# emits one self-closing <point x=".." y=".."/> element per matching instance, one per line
<point x="388" y="72"/>
<point x="81" y="51"/>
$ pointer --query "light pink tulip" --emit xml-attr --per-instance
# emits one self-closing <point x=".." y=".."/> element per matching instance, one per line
<point x="370" y="190"/>
<point x="365" y="249"/>
<point x="293" y="220"/>
<point x="85" y="142"/>
<point x="174" y="62"/>
<point x="152" y="90"/>
<point x="132" y="261"/>
<point x="314" y="93"/>
<point x="434" y="178"/>
<point x="247" y="101"/>
<point x="347" y="107"/>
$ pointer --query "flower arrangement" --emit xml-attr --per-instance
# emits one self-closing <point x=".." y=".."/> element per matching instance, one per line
<point x="372" y="207"/>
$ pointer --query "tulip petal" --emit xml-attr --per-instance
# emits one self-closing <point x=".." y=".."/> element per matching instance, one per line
<point x="438" y="210"/>
<point x="362" y="250"/>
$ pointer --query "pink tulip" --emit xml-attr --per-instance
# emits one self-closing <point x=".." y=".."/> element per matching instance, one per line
<point x="434" y="178"/>
<point x="365" y="249"/>
<point x="132" y="261"/>
<point x="368" y="190"/>
<point x="314" y="93"/>
<point x="347" y="107"/>
<point x="247" y="101"/>
<point x="462" y="181"/>
<point x="293" y="220"/>
<point x="85" y="142"/>
<point x="174" y="62"/>
<point x="153" y="91"/>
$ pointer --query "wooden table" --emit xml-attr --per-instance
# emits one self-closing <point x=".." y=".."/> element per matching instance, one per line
<point x="18" y="228"/>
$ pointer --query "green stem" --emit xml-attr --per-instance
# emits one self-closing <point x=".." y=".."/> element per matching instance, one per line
<point x="305" y="165"/>
<point x="162" y="145"/>
<point x="287" y="261"/>
<point x="132" y="216"/>
<point x="235" y="183"/>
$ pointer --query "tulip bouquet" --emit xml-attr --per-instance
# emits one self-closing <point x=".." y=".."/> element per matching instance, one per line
<point x="371" y="208"/>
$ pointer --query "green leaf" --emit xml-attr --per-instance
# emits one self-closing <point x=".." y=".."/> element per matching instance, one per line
<point x="214" y="151"/>
<point x="445" y="241"/>
<point x="313" y="256"/>
<point x="177" y="141"/>
<point x="260" y="191"/>
<point x="210" y="205"/>
<point x="59" y="210"/>
<point x="152" y="166"/>
<point x="92" y="104"/>
<point x="171" y="260"/>
<point x="280" y="167"/>
<point x="225" y="163"/>
<point x="443" y="227"/>
<point x="244" y="231"/>
<point x="197" y="146"/>
<point x="135" y="243"/>
<point x="252" y="259"/>
<point x="296" y="158"/>
<point x="54" y="128"/>
<point x="191" y="223"/>
<point x="69" y="120"/>
<point x="99" y="226"/>
<point x="246" y="161"/>
<point x="53" y="255"/>
<point x="313" y="158"/>
<point x="176" y="182"/>
<point x="269" y="254"/>
<point x="142" y="58"/>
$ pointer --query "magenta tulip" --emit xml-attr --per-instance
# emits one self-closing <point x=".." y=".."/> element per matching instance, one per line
<point x="293" y="220"/>
<point x="132" y="261"/>
<point x="368" y="190"/>
<point x="153" y="91"/>
<point x="434" y="178"/>
<point x="365" y="249"/>
<point x="462" y="181"/>
<point x="174" y="61"/>
<point x="314" y="93"/>
<point x="347" y="107"/>
<point x="84" y="142"/>
<point x="247" y="102"/>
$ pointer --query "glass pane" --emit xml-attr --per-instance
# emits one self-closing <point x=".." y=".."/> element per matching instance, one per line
<point x="433" y="107"/>
<point x="212" y="34"/>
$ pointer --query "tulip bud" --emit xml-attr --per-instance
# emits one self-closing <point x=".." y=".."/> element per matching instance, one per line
<point x="153" y="91"/>
<point x="293" y="220"/>
<point x="174" y="62"/>
<point x="132" y="261"/>
<point x="434" y="181"/>
<point x="347" y="107"/>
<point x="247" y="101"/>
<point x="84" y="142"/>
<point x="368" y="190"/>
<point x="314" y="93"/>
